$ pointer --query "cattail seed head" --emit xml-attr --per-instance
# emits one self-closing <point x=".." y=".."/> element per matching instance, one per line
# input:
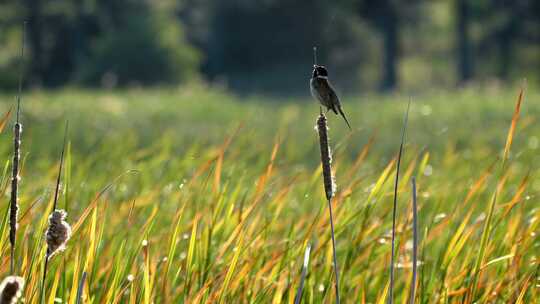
<point x="326" y="157"/>
<point x="11" y="289"/>
<point x="14" y="199"/>
<point x="15" y="178"/>
<point x="58" y="232"/>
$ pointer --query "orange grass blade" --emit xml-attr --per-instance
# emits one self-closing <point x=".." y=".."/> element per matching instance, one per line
<point x="512" y="130"/>
<point x="484" y="241"/>
<point x="4" y="120"/>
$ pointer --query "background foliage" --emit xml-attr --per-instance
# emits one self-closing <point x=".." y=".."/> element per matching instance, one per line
<point x="265" y="46"/>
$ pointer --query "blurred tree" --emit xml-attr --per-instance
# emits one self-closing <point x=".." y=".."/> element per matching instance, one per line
<point x="267" y="45"/>
<point x="516" y="22"/>
<point x="83" y="40"/>
<point x="464" y="49"/>
<point x="387" y="17"/>
<point x="143" y="46"/>
<point x="383" y="15"/>
<point x="508" y="38"/>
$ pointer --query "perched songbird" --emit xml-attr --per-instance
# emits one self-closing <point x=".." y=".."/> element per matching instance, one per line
<point x="322" y="90"/>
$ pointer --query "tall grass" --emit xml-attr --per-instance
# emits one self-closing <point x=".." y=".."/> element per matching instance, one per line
<point x="471" y="296"/>
<point x="226" y="215"/>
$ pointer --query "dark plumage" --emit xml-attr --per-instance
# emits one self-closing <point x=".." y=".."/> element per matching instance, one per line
<point x="322" y="90"/>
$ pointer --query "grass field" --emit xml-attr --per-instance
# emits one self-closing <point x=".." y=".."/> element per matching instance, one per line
<point x="194" y="195"/>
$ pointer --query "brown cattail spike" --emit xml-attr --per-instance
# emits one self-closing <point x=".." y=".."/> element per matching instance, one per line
<point x="329" y="187"/>
<point x="15" y="183"/>
<point x="326" y="157"/>
<point x="17" y="131"/>
<point x="58" y="232"/>
<point x="11" y="289"/>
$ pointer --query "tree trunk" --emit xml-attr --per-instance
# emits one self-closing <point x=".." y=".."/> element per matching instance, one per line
<point x="34" y="38"/>
<point x="390" y="49"/>
<point x="464" y="51"/>
<point x="505" y="41"/>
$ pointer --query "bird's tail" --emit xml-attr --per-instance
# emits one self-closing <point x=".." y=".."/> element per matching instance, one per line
<point x="345" y="118"/>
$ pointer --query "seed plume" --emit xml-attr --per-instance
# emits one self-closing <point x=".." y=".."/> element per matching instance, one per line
<point x="58" y="232"/>
<point x="11" y="289"/>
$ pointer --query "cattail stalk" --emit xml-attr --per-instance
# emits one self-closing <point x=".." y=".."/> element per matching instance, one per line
<point x="329" y="186"/>
<point x="14" y="199"/>
<point x="415" y="242"/>
<point x="58" y="231"/>
<point x="394" y="209"/>
<point x="80" y="288"/>
<point x="298" y="297"/>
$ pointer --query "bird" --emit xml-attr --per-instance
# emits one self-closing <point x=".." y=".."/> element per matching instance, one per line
<point x="322" y="90"/>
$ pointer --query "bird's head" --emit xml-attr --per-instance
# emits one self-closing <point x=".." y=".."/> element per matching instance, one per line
<point x="319" y="71"/>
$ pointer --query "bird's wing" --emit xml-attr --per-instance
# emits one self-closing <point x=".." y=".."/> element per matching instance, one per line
<point x="332" y="96"/>
<point x="336" y="105"/>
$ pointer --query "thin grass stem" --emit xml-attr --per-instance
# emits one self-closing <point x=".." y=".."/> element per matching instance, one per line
<point x="80" y="288"/>
<point x="298" y="297"/>
<point x="415" y="242"/>
<point x="394" y="208"/>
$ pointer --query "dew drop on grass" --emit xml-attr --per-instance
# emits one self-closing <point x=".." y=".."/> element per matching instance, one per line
<point x="409" y="245"/>
<point x="443" y="130"/>
<point x="439" y="217"/>
<point x="533" y="142"/>
<point x="428" y="171"/>
<point x="426" y="110"/>
<point x="481" y="217"/>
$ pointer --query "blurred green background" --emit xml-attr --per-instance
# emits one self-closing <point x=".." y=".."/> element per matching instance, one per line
<point x="162" y="87"/>
<point x="266" y="46"/>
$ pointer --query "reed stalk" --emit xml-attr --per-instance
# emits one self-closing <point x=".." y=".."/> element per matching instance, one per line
<point x="394" y="208"/>
<point x="329" y="187"/>
<point x="15" y="177"/>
